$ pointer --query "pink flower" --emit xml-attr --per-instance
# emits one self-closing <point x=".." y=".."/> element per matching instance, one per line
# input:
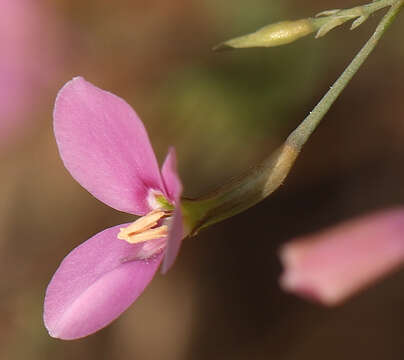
<point x="334" y="264"/>
<point x="105" y="147"/>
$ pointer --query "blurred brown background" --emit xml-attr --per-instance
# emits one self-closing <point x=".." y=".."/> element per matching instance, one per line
<point x="222" y="112"/>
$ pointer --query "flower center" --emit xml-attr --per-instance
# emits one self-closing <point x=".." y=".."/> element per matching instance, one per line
<point x="148" y="227"/>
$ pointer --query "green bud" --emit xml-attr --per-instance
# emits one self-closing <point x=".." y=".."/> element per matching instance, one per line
<point x="280" y="33"/>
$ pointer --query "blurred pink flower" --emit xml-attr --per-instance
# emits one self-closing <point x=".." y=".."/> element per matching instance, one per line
<point x="28" y="60"/>
<point x="105" y="147"/>
<point x="336" y="263"/>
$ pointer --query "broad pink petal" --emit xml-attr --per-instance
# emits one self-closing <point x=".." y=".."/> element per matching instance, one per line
<point x="94" y="284"/>
<point x="170" y="176"/>
<point x="174" y="241"/>
<point x="105" y="146"/>
<point x="334" y="264"/>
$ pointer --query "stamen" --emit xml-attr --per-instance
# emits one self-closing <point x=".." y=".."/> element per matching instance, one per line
<point x="159" y="232"/>
<point x="144" y="228"/>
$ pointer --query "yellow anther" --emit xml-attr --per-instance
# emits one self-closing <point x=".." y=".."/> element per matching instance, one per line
<point x="152" y="234"/>
<point x="144" y="228"/>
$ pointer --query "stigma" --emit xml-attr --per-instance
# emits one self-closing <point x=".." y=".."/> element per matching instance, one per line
<point x="148" y="227"/>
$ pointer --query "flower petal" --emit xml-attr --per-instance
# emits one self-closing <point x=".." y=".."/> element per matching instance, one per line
<point x="170" y="176"/>
<point x="174" y="241"/>
<point x="174" y="190"/>
<point x="94" y="284"/>
<point x="105" y="146"/>
<point x="334" y="264"/>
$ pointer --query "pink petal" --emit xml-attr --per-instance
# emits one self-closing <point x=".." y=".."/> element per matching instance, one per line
<point x="174" y="190"/>
<point x="174" y="241"/>
<point x="105" y="146"/>
<point x="334" y="264"/>
<point x="94" y="284"/>
<point x="170" y="176"/>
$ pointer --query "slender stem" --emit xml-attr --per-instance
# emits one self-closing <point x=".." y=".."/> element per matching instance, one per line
<point x="357" y="11"/>
<point x="266" y="177"/>
<point x="302" y="133"/>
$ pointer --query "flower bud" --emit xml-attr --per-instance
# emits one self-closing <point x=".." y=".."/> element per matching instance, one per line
<point x="280" y="33"/>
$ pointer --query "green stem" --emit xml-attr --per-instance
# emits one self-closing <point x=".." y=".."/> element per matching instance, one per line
<point x="310" y="123"/>
<point x="357" y="11"/>
<point x="265" y="178"/>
